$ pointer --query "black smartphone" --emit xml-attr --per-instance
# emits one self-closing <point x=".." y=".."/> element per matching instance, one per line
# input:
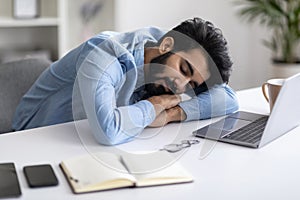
<point x="40" y="176"/>
<point x="9" y="182"/>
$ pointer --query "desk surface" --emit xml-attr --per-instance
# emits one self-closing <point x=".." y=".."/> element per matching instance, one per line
<point x="221" y="171"/>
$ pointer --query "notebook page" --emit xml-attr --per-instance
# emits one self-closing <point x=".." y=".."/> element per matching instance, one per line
<point x="89" y="172"/>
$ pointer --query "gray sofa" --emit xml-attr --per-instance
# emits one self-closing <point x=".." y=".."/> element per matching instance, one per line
<point x="15" y="80"/>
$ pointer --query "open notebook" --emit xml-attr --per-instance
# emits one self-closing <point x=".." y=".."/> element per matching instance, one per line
<point x="104" y="171"/>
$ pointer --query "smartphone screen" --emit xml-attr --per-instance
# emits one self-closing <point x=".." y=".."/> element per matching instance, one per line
<point x="9" y="182"/>
<point x="40" y="175"/>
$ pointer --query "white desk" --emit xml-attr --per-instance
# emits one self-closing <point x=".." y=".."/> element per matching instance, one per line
<point x="227" y="172"/>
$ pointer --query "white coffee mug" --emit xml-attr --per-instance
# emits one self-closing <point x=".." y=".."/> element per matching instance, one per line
<point x="271" y="89"/>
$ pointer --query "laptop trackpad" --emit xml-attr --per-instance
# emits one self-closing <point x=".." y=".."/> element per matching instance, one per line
<point x="221" y="128"/>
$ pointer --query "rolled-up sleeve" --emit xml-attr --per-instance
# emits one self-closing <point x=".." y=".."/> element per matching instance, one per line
<point x="219" y="100"/>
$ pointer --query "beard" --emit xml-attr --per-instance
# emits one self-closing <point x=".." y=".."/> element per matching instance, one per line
<point x="157" y="65"/>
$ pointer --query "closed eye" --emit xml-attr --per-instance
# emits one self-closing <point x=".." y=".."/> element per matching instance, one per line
<point x="184" y="70"/>
<point x="187" y="69"/>
<point x="190" y="69"/>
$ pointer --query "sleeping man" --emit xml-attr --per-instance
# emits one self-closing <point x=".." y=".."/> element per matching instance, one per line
<point x="124" y="82"/>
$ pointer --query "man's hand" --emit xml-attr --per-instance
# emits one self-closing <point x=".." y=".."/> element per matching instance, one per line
<point x="167" y="109"/>
<point x="164" y="102"/>
<point x="174" y="114"/>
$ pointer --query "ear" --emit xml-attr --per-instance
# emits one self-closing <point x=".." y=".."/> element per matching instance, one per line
<point x="166" y="45"/>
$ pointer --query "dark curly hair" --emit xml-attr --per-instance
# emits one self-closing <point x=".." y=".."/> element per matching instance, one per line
<point x="211" y="40"/>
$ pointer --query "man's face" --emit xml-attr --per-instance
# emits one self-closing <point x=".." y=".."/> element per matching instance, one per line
<point x="176" y="73"/>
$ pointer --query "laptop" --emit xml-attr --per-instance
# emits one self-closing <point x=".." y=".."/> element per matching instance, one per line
<point x="256" y="130"/>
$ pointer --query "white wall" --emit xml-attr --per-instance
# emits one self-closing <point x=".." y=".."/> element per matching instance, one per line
<point x="75" y="29"/>
<point x="251" y="58"/>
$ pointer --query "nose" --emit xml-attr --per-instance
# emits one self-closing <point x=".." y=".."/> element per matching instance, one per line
<point x="181" y="84"/>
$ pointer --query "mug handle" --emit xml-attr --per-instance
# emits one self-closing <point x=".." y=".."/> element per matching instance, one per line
<point x="263" y="87"/>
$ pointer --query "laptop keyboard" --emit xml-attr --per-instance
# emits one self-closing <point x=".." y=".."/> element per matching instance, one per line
<point x="250" y="133"/>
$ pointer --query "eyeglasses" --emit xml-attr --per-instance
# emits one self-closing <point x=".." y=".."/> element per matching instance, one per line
<point x="173" y="148"/>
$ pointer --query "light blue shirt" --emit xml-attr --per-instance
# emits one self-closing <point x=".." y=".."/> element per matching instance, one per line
<point x="99" y="80"/>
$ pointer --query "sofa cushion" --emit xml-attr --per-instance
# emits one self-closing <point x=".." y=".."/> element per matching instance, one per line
<point x="15" y="80"/>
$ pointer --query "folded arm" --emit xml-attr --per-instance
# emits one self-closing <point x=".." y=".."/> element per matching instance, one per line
<point x="101" y="74"/>
<point x="219" y="100"/>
